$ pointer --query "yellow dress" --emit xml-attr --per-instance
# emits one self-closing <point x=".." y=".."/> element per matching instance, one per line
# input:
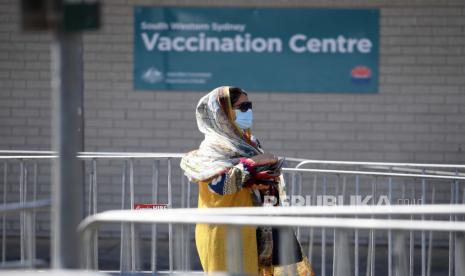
<point x="211" y="239"/>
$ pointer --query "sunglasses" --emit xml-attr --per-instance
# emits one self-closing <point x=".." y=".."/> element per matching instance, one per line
<point x="245" y="106"/>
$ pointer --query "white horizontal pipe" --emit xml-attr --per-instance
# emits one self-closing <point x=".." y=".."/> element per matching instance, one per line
<point x="430" y="209"/>
<point x="132" y="154"/>
<point x="301" y="160"/>
<point x="373" y="173"/>
<point x="186" y="216"/>
<point x="51" y="154"/>
<point x="12" y="157"/>
<point x="333" y="162"/>
<point x="17" y="207"/>
<point x="104" y="156"/>
<point x="421" y="171"/>
<point x="178" y="155"/>
<point x="26" y="152"/>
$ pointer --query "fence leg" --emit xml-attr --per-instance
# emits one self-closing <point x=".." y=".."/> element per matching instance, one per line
<point x="21" y="214"/>
<point x="33" y="219"/>
<point x="5" y="192"/>
<point x="29" y="240"/>
<point x="311" y="231"/>
<point x="343" y="263"/>
<point x="460" y="254"/>
<point x="451" y="236"/>
<point x="234" y="250"/>
<point x="400" y="257"/>
<point x="430" y="243"/>
<point x="155" y="185"/>
<point x="125" y="262"/>
<point x="170" y="226"/>
<point x="124" y="243"/>
<point x="178" y="246"/>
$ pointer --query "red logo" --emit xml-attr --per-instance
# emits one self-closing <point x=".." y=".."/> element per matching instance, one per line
<point x="361" y="72"/>
<point x="139" y="206"/>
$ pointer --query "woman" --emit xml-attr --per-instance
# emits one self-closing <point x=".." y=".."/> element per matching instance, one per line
<point x="226" y="168"/>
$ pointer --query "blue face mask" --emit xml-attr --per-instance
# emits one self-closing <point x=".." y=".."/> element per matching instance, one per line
<point x="244" y="119"/>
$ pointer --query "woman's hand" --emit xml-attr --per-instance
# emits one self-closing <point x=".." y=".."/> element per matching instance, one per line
<point x="264" y="159"/>
<point x="260" y="186"/>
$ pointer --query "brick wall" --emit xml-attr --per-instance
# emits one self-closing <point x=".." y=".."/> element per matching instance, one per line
<point x="417" y="116"/>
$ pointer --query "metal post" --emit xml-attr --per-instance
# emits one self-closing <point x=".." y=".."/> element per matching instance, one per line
<point x="27" y="220"/>
<point x="34" y="198"/>
<point x="131" y="202"/>
<point x="389" y="231"/>
<point x="234" y="250"/>
<point x="373" y="249"/>
<point x="67" y="87"/>
<point x="91" y="189"/>
<point x="170" y="226"/>
<point x="293" y="180"/>
<point x="372" y="242"/>
<point x="412" y="244"/>
<point x="29" y="240"/>
<point x="451" y="236"/>
<point x="430" y="243"/>
<point x="460" y="254"/>
<point x="178" y="247"/>
<point x="182" y="227"/>
<point x="356" y="249"/>
<point x="94" y="211"/>
<point x="21" y="214"/>
<point x="310" y="239"/>
<point x="286" y="251"/>
<point x="335" y="233"/>
<point x="188" y="194"/>
<point x="299" y="192"/>
<point x="24" y="223"/>
<point x="323" y="236"/>
<point x="188" y="237"/>
<point x="342" y="264"/>
<point x="423" y="234"/>
<point x="459" y="243"/>
<point x="86" y="257"/>
<point x="5" y="190"/>
<point x="155" y="182"/>
<point x="124" y="243"/>
<point x="400" y="256"/>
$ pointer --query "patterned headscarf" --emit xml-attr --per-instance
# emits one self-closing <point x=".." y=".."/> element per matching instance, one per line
<point x="224" y="141"/>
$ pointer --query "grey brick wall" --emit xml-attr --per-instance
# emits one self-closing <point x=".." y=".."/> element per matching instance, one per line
<point x="417" y="116"/>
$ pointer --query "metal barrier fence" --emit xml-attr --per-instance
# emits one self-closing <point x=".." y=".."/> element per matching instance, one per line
<point x="27" y="244"/>
<point x="156" y="178"/>
<point x="22" y="167"/>
<point x="308" y="217"/>
<point x="342" y="180"/>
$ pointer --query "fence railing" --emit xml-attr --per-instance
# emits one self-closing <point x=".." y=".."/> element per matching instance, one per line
<point x="27" y="212"/>
<point x="285" y="217"/>
<point x="156" y="178"/>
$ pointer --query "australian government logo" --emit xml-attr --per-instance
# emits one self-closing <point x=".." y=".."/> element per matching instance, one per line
<point x="152" y="75"/>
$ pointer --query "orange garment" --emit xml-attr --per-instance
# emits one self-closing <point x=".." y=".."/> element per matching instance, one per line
<point x="211" y="240"/>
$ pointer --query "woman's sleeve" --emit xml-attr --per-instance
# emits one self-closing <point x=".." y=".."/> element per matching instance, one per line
<point x="231" y="181"/>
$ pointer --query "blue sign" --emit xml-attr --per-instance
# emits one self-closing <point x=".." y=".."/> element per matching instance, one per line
<point x="258" y="49"/>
